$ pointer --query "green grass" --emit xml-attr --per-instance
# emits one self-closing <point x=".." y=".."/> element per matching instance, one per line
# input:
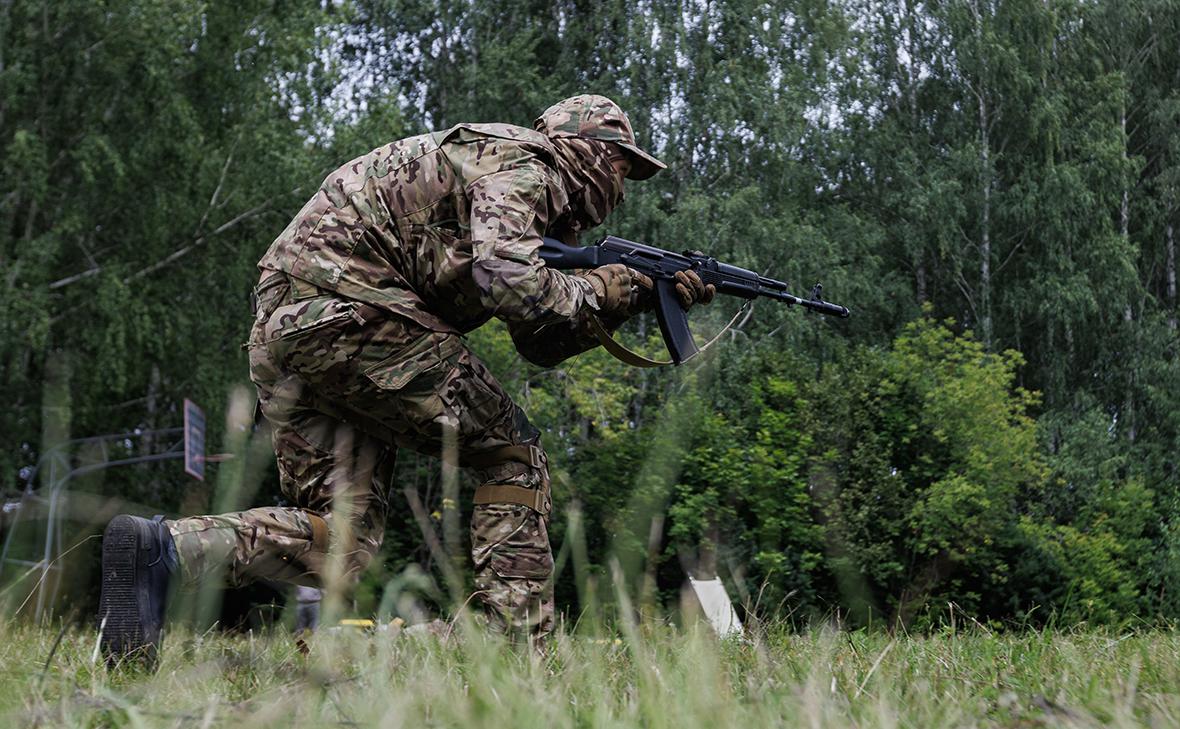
<point x="658" y="677"/>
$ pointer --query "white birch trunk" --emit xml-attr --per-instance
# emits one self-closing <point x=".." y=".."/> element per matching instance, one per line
<point x="985" y="184"/>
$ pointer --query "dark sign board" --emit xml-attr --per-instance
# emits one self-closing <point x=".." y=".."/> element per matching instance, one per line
<point x="194" y="440"/>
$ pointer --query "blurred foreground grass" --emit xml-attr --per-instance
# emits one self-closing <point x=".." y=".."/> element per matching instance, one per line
<point x="659" y="677"/>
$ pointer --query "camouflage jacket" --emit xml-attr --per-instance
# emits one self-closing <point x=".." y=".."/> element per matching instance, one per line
<point x="442" y="228"/>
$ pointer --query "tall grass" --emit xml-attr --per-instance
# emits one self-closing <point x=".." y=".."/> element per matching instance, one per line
<point x="653" y="676"/>
<point x="647" y="674"/>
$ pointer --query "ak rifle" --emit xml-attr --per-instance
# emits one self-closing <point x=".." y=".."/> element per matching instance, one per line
<point x="661" y="267"/>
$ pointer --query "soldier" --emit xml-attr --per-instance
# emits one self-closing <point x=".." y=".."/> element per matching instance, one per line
<point x="356" y="352"/>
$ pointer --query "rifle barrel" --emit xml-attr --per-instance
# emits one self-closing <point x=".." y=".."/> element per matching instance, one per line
<point x="824" y="307"/>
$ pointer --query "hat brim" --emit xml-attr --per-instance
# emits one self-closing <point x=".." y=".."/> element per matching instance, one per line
<point x="643" y="165"/>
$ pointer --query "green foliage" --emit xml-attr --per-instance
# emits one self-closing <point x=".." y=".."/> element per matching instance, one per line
<point x="918" y="485"/>
<point x="746" y="479"/>
<point x="1009" y="169"/>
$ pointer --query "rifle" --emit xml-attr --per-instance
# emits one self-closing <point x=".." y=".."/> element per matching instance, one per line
<point x="661" y="267"/>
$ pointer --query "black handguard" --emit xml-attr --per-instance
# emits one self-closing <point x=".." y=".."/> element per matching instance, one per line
<point x="661" y="266"/>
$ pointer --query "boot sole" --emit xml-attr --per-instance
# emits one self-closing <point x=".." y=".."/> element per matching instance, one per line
<point x="119" y="611"/>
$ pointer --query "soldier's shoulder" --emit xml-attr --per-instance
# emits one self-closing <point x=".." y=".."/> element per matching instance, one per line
<point x="476" y="150"/>
<point x="516" y="136"/>
<point x="523" y="135"/>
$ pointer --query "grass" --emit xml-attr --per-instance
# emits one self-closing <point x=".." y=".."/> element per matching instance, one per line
<point x="654" y="677"/>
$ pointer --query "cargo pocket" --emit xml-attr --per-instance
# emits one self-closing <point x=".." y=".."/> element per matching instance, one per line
<point x="428" y="354"/>
<point x="524" y="564"/>
<point x="416" y="375"/>
<point x="475" y="405"/>
<point x="522" y="552"/>
<point x="293" y="321"/>
<point x="313" y="336"/>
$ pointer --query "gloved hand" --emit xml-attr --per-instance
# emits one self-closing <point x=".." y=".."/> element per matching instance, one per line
<point x="691" y="289"/>
<point x="624" y="291"/>
<point x="620" y="290"/>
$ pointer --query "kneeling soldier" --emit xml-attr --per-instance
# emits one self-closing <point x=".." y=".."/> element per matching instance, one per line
<point x="356" y="351"/>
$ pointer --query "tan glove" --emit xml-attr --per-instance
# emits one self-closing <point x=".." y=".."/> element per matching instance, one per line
<point x="692" y="290"/>
<point x="624" y="291"/>
<point x="621" y="291"/>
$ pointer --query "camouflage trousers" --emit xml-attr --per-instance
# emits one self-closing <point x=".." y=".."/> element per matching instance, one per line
<point x="343" y="386"/>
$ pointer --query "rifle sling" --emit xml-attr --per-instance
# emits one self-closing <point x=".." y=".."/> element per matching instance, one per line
<point x="621" y="353"/>
<point x="633" y="358"/>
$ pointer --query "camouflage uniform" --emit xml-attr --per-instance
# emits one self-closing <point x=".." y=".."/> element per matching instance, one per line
<point x="356" y="351"/>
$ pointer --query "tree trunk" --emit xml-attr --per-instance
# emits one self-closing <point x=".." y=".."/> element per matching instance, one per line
<point x="1128" y="413"/>
<point x="56" y="417"/>
<point x="985" y="185"/>
<point x="707" y="553"/>
<point x="147" y="445"/>
<point x="1170" y="243"/>
<point x="912" y="96"/>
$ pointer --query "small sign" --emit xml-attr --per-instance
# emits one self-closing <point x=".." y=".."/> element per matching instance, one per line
<point x="194" y="440"/>
<point x="717" y="606"/>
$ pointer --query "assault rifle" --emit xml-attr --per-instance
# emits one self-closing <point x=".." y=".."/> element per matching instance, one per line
<point x="661" y="266"/>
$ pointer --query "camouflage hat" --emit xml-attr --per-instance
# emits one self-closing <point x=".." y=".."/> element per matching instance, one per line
<point x="596" y="117"/>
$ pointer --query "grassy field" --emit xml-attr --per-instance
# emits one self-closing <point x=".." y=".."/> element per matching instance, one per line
<point x="654" y="678"/>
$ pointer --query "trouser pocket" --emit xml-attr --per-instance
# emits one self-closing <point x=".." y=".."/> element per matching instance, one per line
<point x="510" y="541"/>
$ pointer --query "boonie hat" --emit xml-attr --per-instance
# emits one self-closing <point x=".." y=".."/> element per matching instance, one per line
<point x="596" y="117"/>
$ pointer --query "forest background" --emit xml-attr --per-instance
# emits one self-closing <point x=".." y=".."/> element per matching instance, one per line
<point x="992" y="187"/>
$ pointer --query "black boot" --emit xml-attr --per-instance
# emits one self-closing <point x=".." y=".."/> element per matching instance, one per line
<point x="138" y="559"/>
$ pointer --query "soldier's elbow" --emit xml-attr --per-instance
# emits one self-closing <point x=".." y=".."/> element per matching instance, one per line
<point x="543" y="358"/>
<point x="535" y="347"/>
<point x="490" y="284"/>
<point x="536" y="350"/>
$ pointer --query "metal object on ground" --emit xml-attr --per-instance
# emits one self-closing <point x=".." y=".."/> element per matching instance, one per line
<point x="716" y="605"/>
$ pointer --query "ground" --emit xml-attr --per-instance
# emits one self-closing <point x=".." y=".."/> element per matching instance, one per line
<point x="654" y="677"/>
